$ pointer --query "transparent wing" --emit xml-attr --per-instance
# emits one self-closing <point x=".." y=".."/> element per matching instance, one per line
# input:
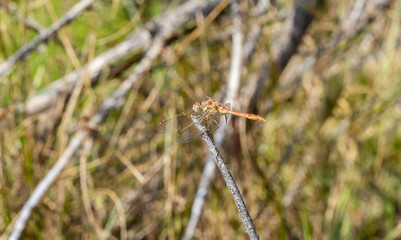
<point x="182" y="125"/>
<point x="185" y="128"/>
<point x="189" y="133"/>
<point x="211" y="121"/>
<point x="176" y="123"/>
<point x="227" y="116"/>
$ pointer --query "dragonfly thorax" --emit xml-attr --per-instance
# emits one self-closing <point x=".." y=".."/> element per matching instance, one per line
<point x="206" y="107"/>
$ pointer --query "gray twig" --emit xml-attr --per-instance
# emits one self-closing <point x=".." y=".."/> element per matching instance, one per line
<point x="34" y="199"/>
<point x="201" y="192"/>
<point x="232" y="186"/>
<point x="233" y="82"/>
<point x="237" y="48"/>
<point x="301" y="16"/>
<point x="171" y="21"/>
<point x="255" y="30"/>
<point x="115" y="101"/>
<point x="75" y="11"/>
<point x="300" y="19"/>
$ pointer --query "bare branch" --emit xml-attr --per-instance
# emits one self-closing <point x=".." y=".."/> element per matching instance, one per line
<point x="168" y="22"/>
<point x="75" y="11"/>
<point x="232" y="186"/>
<point x="255" y="30"/>
<point x="298" y="22"/>
<point x="232" y="91"/>
<point x="47" y="181"/>
<point x="236" y="58"/>
<point x="115" y="101"/>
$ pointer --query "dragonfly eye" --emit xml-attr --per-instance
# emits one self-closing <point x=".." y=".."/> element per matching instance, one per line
<point x="196" y="107"/>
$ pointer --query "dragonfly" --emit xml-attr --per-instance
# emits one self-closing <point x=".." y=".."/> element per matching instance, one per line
<point x="208" y="113"/>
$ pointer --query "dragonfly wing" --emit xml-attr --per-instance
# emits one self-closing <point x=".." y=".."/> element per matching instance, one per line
<point x="183" y="125"/>
<point x="190" y="133"/>
<point x="228" y="106"/>
<point x="212" y="121"/>
<point x="227" y="116"/>
<point x="185" y="128"/>
<point x="177" y="123"/>
<point x="166" y="125"/>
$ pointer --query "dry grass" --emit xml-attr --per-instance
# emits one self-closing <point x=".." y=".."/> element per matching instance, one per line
<point x="323" y="166"/>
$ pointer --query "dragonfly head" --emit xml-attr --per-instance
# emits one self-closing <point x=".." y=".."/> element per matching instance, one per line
<point x="197" y="107"/>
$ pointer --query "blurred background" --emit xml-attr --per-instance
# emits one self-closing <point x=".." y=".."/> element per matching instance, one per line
<point x="324" y="74"/>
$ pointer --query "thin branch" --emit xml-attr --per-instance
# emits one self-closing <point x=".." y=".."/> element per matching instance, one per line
<point x="90" y="216"/>
<point x="232" y="91"/>
<point x="45" y="184"/>
<point x="115" y="101"/>
<point x="255" y="30"/>
<point x="200" y="196"/>
<point x="296" y="26"/>
<point x="232" y="186"/>
<point x="171" y="21"/>
<point x="28" y="22"/>
<point x="237" y="48"/>
<point x="362" y="14"/>
<point x="285" y="47"/>
<point x="75" y="11"/>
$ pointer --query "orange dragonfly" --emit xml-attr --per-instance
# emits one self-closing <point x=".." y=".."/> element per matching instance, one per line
<point x="208" y="114"/>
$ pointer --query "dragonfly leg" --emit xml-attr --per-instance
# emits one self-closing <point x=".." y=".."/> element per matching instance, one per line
<point x="208" y="126"/>
<point x="218" y="125"/>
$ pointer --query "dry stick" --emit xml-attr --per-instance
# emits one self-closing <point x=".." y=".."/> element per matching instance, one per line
<point x="75" y="11"/>
<point x="203" y="187"/>
<point x="237" y="48"/>
<point x="45" y="184"/>
<point x="232" y="186"/>
<point x="209" y="167"/>
<point x="302" y="15"/>
<point x="28" y="22"/>
<point x="140" y="39"/>
<point x="232" y="90"/>
<point x="345" y="32"/>
<point x="113" y="102"/>
<point x="255" y="30"/>
<point x="371" y="11"/>
<point x="90" y="216"/>
<point x="299" y="21"/>
<point x="258" y="14"/>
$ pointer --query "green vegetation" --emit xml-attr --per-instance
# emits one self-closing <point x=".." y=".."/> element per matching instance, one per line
<point x="324" y="165"/>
